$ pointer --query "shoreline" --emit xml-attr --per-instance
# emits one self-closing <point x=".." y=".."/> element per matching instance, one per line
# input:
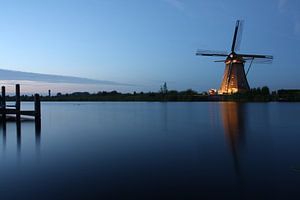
<point x="171" y="96"/>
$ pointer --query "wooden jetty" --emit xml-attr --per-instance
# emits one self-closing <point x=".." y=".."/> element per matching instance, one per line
<point x="16" y="111"/>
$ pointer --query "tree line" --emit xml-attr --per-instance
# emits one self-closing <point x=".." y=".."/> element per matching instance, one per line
<point x="164" y="94"/>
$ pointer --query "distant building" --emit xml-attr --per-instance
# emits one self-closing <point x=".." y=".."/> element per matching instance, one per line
<point x="212" y="91"/>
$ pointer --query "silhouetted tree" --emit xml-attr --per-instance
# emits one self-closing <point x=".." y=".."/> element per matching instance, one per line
<point x="265" y="90"/>
<point x="189" y="92"/>
<point x="164" y="88"/>
<point x="258" y="91"/>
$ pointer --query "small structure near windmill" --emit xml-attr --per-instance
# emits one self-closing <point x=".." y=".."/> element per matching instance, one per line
<point x="235" y="77"/>
<point x="14" y="111"/>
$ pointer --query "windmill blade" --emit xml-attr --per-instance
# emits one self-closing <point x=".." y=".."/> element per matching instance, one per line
<point x="239" y="36"/>
<point x="236" y="36"/>
<point x="261" y="59"/>
<point x="211" y="53"/>
<point x="256" y="56"/>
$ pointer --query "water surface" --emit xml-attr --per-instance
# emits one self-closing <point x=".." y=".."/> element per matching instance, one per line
<point x="127" y="150"/>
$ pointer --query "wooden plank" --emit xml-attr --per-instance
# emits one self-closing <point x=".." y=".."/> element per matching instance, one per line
<point x="27" y="112"/>
<point x="22" y="112"/>
<point x="8" y="111"/>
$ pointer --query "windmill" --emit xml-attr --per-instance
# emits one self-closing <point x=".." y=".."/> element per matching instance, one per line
<point x="235" y="77"/>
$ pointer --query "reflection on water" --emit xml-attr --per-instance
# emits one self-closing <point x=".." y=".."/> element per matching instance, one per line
<point x="113" y="150"/>
<point x="18" y="122"/>
<point x="233" y="119"/>
<point x="164" y="115"/>
<point x="38" y="136"/>
<point x="18" y="128"/>
<point x="3" y="124"/>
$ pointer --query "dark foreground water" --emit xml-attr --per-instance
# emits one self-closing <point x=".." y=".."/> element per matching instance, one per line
<point x="154" y="151"/>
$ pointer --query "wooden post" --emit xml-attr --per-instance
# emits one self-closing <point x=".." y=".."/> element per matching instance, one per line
<point x="18" y="102"/>
<point x="3" y="100"/>
<point x="18" y="117"/>
<point x="3" y="104"/>
<point x="37" y="111"/>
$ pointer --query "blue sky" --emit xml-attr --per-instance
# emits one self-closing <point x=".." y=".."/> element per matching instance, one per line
<point x="144" y="43"/>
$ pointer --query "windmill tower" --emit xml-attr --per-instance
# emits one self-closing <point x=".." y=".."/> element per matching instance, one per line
<point x="235" y="77"/>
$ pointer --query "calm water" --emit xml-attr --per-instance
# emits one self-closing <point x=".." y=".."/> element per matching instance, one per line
<point x="154" y="151"/>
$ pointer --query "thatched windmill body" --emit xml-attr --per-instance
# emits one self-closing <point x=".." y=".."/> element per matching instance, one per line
<point x="235" y="77"/>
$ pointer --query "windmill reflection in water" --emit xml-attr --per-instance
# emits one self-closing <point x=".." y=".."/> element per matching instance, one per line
<point x="232" y="114"/>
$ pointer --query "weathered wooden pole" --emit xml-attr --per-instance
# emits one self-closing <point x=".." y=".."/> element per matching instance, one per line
<point x="3" y="101"/>
<point x="3" y="104"/>
<point x="18" y="102"/>
<point x="18" y="117"/>
<point x="37" y="111"/>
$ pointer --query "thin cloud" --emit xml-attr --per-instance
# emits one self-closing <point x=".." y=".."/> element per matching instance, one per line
<point x="28" y="76"/>
<point x="282" y="5"/>
<point x="297" y="27"/>
<point x="177" y="4"/>
<point x="296" y="21"/>
<point x="285" y="7"/>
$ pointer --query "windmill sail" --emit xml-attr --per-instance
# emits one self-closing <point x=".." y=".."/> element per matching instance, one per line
<point x="211" y="53"/>
<point x="234" y="78"/>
